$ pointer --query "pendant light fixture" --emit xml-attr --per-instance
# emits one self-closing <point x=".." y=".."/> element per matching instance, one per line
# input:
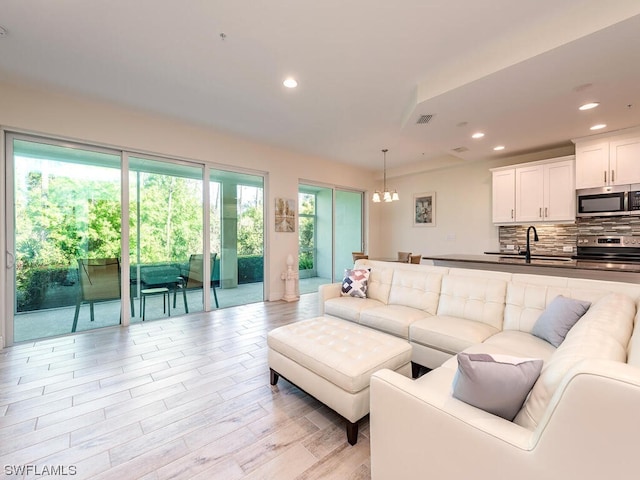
<point x="386" y="195"/>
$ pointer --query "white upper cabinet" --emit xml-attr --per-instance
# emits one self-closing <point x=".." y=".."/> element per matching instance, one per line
<point x="536" y="192"/>
<point x="592" y="165"/>
<point x="504" y="196"/>
<point x="610" y="161"/>
<point x="529" y="193"/>
<point x="624" y="160"/>
<point x="559" y="203"/>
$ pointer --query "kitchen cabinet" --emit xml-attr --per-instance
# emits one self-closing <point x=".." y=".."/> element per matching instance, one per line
<point x="624" y="157"/>
<point x="608" y="162"/>
<point x="535" y="192"/>
<point x="592" y="165"/>
<point x="504" y="196"/>
<point x="559" y="202"/>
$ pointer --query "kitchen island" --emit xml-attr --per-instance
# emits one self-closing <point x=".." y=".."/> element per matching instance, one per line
<point x="542" y="265"/>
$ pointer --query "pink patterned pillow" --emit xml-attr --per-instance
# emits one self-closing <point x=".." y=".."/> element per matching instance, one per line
<point x="355" y="282"/>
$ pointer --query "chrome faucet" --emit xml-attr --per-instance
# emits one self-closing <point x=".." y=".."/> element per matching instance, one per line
<point x="527" y="252"/>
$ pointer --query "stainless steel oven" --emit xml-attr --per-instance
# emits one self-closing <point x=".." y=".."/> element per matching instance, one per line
<point x="624" y="248"/>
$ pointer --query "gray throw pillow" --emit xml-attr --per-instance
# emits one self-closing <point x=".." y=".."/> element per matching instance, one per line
<point x="558" y="318"/>
<point x="498" y="384"/>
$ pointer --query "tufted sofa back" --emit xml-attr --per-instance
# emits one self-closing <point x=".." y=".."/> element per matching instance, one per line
<point x="471" y="299"/>
<point x="416" y="289"/>
<point x="529" y="295"/>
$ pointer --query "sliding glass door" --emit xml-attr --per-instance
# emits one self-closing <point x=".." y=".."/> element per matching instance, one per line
<point x="165" y="236"/>
<point x="98" y="237"/>
<point x="66" y="245"/>
<point x="348" y="228"/>
<point x="236" y="238"/>
<point x="329" y="229"/>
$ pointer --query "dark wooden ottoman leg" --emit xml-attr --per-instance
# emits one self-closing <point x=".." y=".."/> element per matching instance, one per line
<point x="352" y="432"/>
<point x="273" y="376"/>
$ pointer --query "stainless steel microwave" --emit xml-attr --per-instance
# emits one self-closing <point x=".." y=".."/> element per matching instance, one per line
<point x="605" y="201"/>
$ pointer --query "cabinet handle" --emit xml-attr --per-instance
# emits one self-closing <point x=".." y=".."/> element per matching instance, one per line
<point x="605" y="176"/>
<point x="512" y="213"/>
<point x="540" y="212"/>
<point x="546" y="212"/>
<point x="613" y="176"/>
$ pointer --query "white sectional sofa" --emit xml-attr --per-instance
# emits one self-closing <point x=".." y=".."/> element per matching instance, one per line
<point x="581" y="419"/>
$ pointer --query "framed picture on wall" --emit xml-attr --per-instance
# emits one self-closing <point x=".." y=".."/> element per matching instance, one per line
<point x="285" y="216"/>
<point x="424" y="209"/>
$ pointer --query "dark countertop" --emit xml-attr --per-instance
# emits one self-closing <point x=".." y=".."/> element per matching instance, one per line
<point x="546" y="261"/>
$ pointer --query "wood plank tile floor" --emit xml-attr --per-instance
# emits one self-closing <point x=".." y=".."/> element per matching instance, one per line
<point x="181" y="398"/>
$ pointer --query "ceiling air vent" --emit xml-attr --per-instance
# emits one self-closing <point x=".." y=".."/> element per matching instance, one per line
<point x="460" y="149"/>
<point x="424" y="119"/>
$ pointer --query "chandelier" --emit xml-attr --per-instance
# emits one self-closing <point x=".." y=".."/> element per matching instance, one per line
<point x="386" y="195"/>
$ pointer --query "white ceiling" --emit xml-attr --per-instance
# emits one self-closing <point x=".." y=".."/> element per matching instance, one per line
<point x="367" y="69"/>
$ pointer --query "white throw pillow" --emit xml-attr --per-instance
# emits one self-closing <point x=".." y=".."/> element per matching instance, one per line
<point x="498" y="384"/>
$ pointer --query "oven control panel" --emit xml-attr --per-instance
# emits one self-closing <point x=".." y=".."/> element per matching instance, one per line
<point x="609" y="241"/>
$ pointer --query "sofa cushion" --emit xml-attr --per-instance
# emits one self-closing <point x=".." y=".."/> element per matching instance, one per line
<point x="602" y="333"/>
<point x="393" y="319"/>
<point x="349" y="308"/>
<point x="449" y="334"/>
<point x="472" y="299"/>
<point x="416" y="289"/>
<point x="498" y="384"/>
<point x="355" y="281"/>
<point x="522" y="344"/>
<point x="558" y="318"/>
<point x="380" y="284"/>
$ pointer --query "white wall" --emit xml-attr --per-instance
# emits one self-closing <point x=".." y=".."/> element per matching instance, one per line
<point x="463" y="210"/>
<point x="35" y="110"/>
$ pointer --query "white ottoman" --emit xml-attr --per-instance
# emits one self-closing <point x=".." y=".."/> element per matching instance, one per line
<point x="333" y="359"/>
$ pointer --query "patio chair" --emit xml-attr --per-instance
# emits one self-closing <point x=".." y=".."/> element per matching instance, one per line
<point x="99" y="282"/>
<point x="415" y="258"/>
<point x="358" y="256"/>
<point x="404" y="257"/>
<point x="193" y="278"/>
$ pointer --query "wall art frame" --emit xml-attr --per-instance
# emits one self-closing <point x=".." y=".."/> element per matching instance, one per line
<point x="424" y="209"/>
<point x="285" y="215"/>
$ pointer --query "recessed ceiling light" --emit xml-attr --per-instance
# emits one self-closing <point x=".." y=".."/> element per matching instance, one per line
<point x="588" y="106"/>
<point x="598" y="127"/>
<point x="477" y="135"/>
<point x="498" y="147"/>
<point x="290" y="83"/>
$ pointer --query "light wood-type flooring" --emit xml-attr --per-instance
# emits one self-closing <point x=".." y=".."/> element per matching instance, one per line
<point x="184" y="397"/>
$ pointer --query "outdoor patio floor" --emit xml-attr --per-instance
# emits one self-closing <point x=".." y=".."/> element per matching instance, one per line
<point x="53" y="322"/>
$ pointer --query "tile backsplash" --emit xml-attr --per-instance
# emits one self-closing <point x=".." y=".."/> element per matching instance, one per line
<point x="553" y="237"/>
